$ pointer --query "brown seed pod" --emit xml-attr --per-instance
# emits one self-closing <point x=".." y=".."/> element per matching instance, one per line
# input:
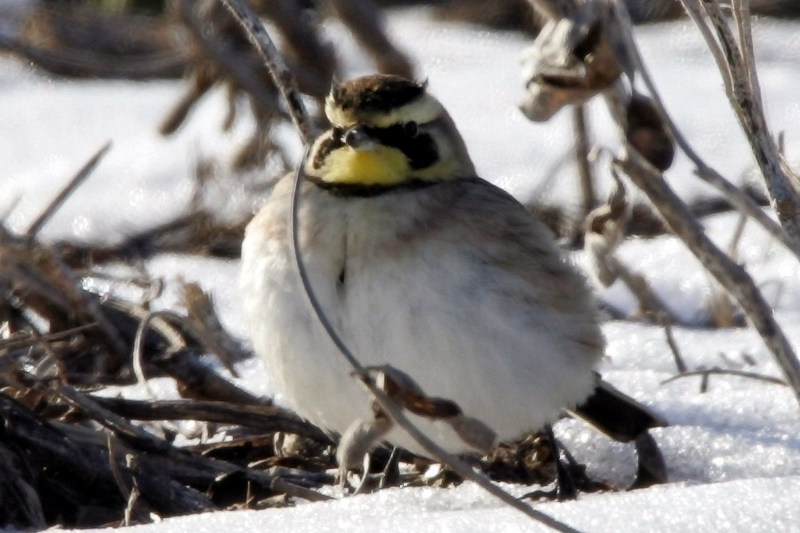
<point x="647" y="132"/>
<point x="572" y="59"/>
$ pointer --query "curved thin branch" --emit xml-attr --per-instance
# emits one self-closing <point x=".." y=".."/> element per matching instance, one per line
<point x="277" y="66"/>
<point x="725" y="372"/>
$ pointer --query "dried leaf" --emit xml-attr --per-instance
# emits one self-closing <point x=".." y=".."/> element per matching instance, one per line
<point x="572" y="59"/>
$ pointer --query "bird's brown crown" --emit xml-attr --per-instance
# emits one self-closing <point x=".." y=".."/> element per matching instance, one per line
<point x="378" y="93"/>
<point x="380" y="101"/>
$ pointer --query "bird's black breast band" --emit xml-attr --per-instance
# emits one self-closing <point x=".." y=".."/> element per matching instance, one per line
<point x="359" y="190"/>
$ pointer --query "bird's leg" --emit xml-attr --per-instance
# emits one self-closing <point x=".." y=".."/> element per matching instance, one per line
<point x="356" y="443"/>
<point x="390" y="477"/>
<point x="652" y="468"/>
<point x="565" y="485"/>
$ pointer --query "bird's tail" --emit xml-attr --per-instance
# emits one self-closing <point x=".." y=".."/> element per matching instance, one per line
<point x="616" y="414"/>
<point x="624" y="419"/>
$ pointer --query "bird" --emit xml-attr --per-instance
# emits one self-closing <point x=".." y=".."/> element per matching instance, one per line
<point x="421" y="265"/>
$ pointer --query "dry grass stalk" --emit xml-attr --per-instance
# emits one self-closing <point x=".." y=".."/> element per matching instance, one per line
<point x="73" y="184"/>
<point x="730" y="275"/>
<point x="736" y="63"/>
<point x="705" y="373"/>
<point x="673" y="345"/>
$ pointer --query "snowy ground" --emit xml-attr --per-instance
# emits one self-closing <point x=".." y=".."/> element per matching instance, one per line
<point x="733" y="452"/>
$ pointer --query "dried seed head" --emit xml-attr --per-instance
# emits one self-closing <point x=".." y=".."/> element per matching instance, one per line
<point x="572" y="59"/>
<point x="604" y="228"/>
<point x="647" y="133"/>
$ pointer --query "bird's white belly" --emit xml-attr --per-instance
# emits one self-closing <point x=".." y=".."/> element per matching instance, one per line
<point x="425" y="309"/>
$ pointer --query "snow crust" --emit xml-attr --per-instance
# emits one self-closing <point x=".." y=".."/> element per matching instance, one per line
<point x="676" y="507"/>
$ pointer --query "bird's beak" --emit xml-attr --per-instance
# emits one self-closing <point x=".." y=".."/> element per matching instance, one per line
<point x="357" y="138"/>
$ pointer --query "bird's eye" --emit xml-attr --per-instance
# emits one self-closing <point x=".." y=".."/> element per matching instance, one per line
<point x="410" y="129"/>
<point x="337" y="133"/>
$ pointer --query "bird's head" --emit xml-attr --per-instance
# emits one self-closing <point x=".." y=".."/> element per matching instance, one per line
<point x="386" y="131"/>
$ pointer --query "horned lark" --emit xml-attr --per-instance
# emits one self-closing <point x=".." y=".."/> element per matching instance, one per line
<point x="421" y="265"/>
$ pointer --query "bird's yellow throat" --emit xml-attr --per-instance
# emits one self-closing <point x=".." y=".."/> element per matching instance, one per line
<point x="381" y="165"/>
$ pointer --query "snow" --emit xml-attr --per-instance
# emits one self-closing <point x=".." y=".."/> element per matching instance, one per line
<point x="733" y="452"/>
<point x="675" y="507"/>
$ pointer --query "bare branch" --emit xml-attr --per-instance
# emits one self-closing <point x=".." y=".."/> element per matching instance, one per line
<point x="277" y="66"/>
<point x="728" y="273"/>
<point x="732" y="193"/>
<point x="745" y="99"/>
<point x="71" y="186"/>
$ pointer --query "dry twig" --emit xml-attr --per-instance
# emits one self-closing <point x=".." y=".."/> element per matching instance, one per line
<point x="729" y="274"/>
<point x="725" y="372"/>
<point x="673" y="346"/>
<point x="73" y="184"/>
<point x="733" y="194"/>
<point x="737" y="66"/>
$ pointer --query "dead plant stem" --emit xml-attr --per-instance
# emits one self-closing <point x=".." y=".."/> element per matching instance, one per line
<point x="728" y="273"/>
<point x="731" y="193"/>
<point x="76" y="181"/>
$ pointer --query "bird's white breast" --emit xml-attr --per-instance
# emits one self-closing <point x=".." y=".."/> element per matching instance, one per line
<point x="422" y="299"/>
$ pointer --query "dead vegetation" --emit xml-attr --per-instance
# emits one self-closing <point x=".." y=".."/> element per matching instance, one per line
<point x="75" y="453"/>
